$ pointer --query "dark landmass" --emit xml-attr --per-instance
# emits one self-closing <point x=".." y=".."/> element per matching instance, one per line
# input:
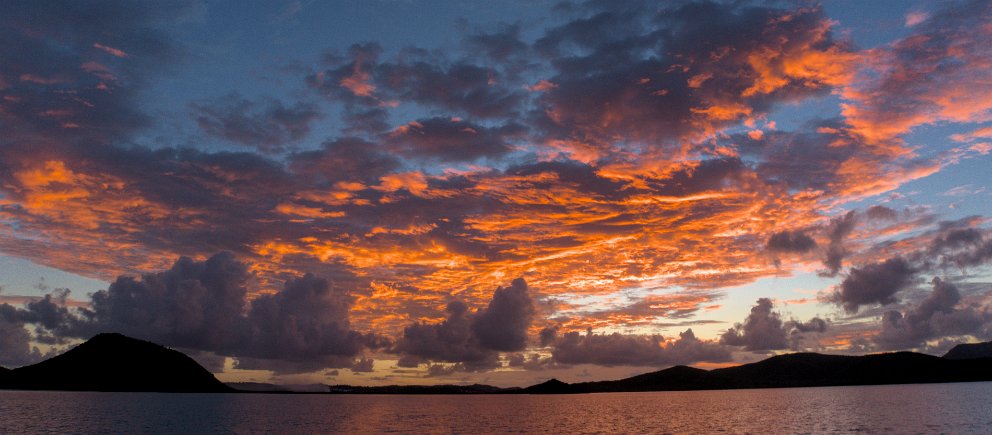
<point x="970" y="351"/>
<point x="257" y="387"/>
<point x="793" y="370"/>
<point x="113" y="362"/>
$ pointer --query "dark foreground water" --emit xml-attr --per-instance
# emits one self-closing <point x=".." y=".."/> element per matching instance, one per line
<point x="948" y="408"/>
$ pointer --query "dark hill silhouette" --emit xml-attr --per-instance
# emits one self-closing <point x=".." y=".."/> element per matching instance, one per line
<point x="793" y="370"/>
<point x="113" y="362"/>
<point x="551" y="386"/>
<point x="970" y="351"/>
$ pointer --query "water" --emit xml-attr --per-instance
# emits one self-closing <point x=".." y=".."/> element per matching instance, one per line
<point x="948" y="408"/>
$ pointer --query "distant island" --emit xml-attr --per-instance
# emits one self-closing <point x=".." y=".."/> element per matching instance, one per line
<point x="113" y="362"/>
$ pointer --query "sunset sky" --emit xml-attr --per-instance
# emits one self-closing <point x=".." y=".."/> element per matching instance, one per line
<point x="416" y="192"/>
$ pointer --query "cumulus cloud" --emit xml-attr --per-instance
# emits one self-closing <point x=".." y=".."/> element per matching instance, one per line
<point x="473" y="339"/>
<point x="201" y="306"/>
<point x="936" y="316"/>
<point x="761" y="330"/>
<point x="305" y="322"/>
<point x="875" y="283"/>
<point x="504" y="323"/>
<point x="15" y="344"/>
<point x="193" y="304"/>
<point x="635" y="350"/>
<point x="764" y="330"/>
<point x="962" y="246"/>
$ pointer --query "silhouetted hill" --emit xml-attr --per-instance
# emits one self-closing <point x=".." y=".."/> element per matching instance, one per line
<point x="970" y="351"/>
<point x="113" y="362"/>
<point x="551" y="386"/>
<point x="792" y="370"/>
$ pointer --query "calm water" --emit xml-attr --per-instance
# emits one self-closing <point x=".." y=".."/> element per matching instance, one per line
<point x="952" y="408"/>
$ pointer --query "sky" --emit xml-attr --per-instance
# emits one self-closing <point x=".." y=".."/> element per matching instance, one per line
<point x="419" y="192"/>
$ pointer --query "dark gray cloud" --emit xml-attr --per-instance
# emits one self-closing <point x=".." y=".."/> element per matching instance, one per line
<point x="504" y="323"/>
<point x="547" y="336"/>
<point x="936" y="316"/>
<point x="472" y="339"/>
<point x="653" y="73"/>
<point x="838" y="229"/>
<point x="764" y="330"/>
<point x="501" y="46"/>
<point x="452" y="140"/>
<point x="65" y="68"/>
<point x="306" y="322"/>
<point x="268" y="125"/>
<point x="635" y="350"/>
<point x="363" y="365"/>
<point x="15" y="344"/>
<point x="196" y="305"/>
<point x="200" y="306"/>
<point x="450" y="341"/>
<point x="790" y="241"/>
<point x="464" y="87"/>
<point x="815" y="324"/>
<point x="875" y="283"/>
<point x="962" y="246"/>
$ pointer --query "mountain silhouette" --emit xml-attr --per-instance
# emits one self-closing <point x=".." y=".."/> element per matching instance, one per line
<point x="793" y="370"/>
<point x="113" y="362"/>
<point x="970" y="351"/>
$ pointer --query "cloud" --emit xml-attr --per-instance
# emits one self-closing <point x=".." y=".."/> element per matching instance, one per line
<point x="15" y="345"/>
<point x="463" y="87"/>
<point x="962" y="247"/>
<point x="839" y="228"/>
<point x="194" y="304"/>
<point x="363" y="365"/>
<point x="637" y="72"/>
<point x="790" y="241"/>
<point x="632" y="166"/>
<point x="202" y="306"/>
<point x="635" y="350"/>
<point x="451" y="140"/>
<point x="936" y="316"/>
<point x="473" y="339"/>
<point x="504" y="323"/>
<point x="939" y="72"/>
<point x="764" y="330"/>
<point x="306" y="322"/>
<point x="875" y="283"/>
<point x="270" y="125"/>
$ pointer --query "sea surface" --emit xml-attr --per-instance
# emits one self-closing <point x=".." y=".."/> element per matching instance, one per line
<point x="937" y="408"/>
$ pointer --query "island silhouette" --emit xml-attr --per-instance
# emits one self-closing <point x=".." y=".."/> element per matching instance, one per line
<point x="114" y="362"/>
